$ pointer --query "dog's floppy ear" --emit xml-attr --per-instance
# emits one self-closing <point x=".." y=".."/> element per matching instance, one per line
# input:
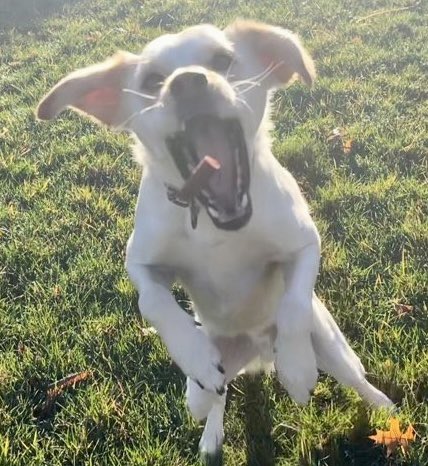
<point x="95" y="91"/>
<point x="277" y="49"/>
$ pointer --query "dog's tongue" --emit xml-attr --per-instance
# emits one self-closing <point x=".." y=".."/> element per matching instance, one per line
<point x="209" y="136"/>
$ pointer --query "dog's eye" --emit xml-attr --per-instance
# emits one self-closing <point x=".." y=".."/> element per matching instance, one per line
<point x="221" y="62"/>
<point x="153" y="82"/>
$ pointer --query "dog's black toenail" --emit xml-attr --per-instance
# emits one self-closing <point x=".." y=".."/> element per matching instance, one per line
<point x="220" y="391"/>
<point x="197" y="324"/>
<point x="200" y="385"/>
<point x="220" y="368"/>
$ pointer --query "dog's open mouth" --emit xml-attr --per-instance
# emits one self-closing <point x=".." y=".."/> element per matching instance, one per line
<point x="226" y="195"/>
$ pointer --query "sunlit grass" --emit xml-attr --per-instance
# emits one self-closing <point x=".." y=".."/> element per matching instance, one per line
<point x="67" y="197"/>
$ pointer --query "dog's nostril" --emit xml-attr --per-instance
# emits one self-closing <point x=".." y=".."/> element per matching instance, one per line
<point x="187" y="84"/>
<point x="199" y="80"/>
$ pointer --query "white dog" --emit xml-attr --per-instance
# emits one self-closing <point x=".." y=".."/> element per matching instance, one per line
<point x="245" y="247"/>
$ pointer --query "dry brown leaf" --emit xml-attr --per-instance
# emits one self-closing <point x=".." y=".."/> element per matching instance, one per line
<point x="57" y="292"/>
<point x="21" y="348"/>
<point x="57" y="388"/>
<point x="147" y="331"/>
<point x="394" y="437"/>
<point x="94" y="36"/>
<point x="336" y="134"/>
<point x="403" y="309"/>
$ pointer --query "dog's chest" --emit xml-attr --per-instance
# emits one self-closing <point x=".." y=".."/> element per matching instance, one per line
<point x="234" y="284"/>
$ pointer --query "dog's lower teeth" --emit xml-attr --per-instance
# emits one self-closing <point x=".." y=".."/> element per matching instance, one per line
<point x="212" y="212"/>
<point x="187" y="153"/>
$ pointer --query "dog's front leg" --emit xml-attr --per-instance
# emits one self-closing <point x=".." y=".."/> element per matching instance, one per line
<point x="188" y="346"/>
<point x="295" y="358"/>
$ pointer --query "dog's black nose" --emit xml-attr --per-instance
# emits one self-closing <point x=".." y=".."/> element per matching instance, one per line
<point x="188" y="84"/>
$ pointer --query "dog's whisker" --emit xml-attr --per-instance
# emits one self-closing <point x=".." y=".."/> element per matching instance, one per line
<point x="139" y="113"/>
<point x="228" y="70"/>
<point x="139" y="94"/>
<point x="244" y="103"/>
<point x="259" y="76"/>
<point x="273" y="68"/>
<point x="267" y="73"/>
<point x="244" y="81"/>
<point x="256" y="79"/>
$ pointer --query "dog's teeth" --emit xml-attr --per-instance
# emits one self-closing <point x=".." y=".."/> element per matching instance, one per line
<point x="212" y="212"/>
<point x="237" y="155"/>
<point x="238" y="169"/>
<point x="244" y="202"/>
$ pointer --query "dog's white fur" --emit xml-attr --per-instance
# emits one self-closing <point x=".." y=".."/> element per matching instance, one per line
<point x="253" y="289"/>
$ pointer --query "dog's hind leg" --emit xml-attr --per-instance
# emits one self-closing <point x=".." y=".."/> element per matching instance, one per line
<point x="336" y="357"/>
<point x="211" y="443"/>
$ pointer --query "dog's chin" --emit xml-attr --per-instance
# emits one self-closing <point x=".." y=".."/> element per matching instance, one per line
<point x="226" y="196"/>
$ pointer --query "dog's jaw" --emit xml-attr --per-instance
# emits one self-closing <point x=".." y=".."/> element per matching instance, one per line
<point x="226" y="196"/>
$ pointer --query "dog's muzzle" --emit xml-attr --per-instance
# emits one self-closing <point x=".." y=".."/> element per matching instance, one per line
<point x="226" y="196"/>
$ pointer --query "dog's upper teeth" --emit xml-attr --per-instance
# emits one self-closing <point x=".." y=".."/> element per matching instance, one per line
<point x="244" y="202"/>
<point x="238" y="169"/>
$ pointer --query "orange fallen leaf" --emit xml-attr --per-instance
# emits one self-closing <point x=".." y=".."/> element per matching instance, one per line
<point x="347" y="146"/>
<point x="394" y="437"/>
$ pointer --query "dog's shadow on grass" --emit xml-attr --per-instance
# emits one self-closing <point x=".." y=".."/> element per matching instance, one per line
<point x="258" y="422"/>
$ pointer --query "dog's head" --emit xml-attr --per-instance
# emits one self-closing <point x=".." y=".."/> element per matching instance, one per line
<point x="200" y="92"/>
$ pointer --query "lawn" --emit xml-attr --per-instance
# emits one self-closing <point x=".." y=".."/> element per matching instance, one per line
<point x="358" y="145"/>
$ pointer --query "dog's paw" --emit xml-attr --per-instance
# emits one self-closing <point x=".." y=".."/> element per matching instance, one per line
<point x="199" y="359"/>
<point x="295" y="365"/>
<point x="372" y="395"/>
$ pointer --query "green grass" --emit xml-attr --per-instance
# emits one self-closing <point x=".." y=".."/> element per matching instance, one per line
<point x="67" y="194"/>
